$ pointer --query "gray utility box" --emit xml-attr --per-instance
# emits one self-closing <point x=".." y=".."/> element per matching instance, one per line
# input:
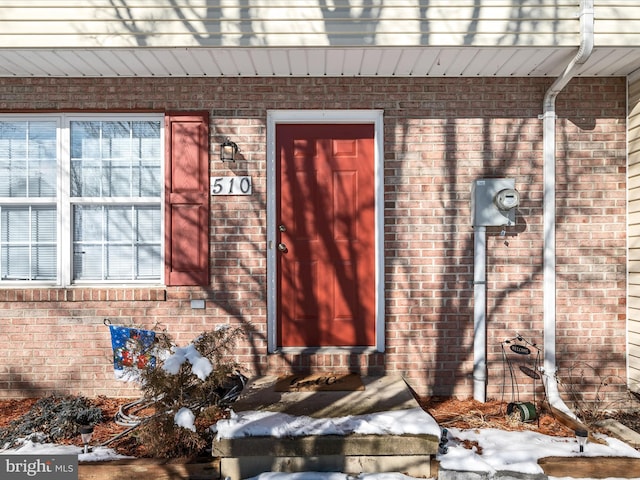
<point x="489" y="211"/>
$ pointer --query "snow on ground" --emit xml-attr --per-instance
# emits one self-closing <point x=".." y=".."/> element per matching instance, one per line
<point x="263" y="423"/>
<point x="500" y="450"/>
<point x="520" y="451"/>
<point x="97" y="454"/>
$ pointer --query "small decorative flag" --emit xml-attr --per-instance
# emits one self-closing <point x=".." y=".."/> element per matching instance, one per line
<point x="132" y="351"/>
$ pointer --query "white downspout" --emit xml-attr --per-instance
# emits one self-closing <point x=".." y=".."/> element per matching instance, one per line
<point x="479" y="314"/>
<point x="549" y="204"/>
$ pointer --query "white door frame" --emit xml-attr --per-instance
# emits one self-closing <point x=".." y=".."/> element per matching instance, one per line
<point x="374" y="117"/>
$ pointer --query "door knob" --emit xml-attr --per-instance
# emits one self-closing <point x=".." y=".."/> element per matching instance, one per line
<point x="282" y="247"/>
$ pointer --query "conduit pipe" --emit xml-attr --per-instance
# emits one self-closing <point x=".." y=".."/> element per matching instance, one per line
<point x="549" y="204"/>
<point x="479" y="314"/>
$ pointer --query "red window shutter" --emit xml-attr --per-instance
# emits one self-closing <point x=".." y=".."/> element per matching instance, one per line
<point x="187" y="199"/>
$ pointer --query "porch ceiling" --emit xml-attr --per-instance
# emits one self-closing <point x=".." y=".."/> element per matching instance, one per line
<point x="314" y="61"/>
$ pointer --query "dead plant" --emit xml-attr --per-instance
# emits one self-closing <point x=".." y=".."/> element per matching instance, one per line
<point x="195" y="378"/>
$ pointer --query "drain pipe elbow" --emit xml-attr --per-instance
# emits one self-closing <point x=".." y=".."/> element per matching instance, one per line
<point x="583" y="54"/>
<point x="549" y="208"/>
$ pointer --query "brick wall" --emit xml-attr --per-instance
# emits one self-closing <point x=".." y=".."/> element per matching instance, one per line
<point x="440" y="135"/>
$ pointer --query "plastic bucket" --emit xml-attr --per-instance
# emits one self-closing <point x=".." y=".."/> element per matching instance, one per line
<point x="526" y="410"/>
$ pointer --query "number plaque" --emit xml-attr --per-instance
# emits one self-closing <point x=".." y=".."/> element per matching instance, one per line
<point x="231" y="186"/>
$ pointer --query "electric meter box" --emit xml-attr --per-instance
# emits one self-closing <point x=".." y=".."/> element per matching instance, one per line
<point x="494" y="202"/>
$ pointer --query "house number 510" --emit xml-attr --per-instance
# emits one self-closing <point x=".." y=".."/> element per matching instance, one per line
<point x="231" y="186"/>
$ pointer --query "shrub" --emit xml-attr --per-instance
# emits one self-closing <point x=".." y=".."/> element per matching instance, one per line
<point x="51" y="419"/>
<point x="188" y="383"/>
<point x="592" y="393"/>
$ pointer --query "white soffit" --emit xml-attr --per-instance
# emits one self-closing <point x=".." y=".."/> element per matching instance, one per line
<point x="314" y="61"/>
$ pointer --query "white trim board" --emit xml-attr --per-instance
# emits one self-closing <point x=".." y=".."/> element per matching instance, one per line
<point x="374" y="117"/>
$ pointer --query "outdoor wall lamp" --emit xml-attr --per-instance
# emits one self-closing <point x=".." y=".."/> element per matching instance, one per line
<point x="86" y="431"/>
<point x="228" y="150"/>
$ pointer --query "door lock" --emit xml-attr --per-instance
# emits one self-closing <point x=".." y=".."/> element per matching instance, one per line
<point x="282" y="247"/>
<point x="282" y="228"/>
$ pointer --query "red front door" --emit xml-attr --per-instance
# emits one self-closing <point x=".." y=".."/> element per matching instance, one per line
<point x="325" y="223"/>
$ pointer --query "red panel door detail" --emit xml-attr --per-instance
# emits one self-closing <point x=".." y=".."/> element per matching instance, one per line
<point x="187" y="199"/>
<point x="326" y="254"/>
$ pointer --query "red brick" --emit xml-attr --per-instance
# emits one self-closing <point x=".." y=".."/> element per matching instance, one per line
<point x="440" y="135"/>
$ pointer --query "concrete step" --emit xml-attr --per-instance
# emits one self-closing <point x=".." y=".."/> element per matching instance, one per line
<point x="380" y="394"/>
<point x="418" y="466"/>
<point x="249" y="456"/>
<point x="308" y="446"/>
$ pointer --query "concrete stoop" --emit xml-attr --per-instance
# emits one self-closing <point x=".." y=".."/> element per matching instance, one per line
<point x="249" y="456"/>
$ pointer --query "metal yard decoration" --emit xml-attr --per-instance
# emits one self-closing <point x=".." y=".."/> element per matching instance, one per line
<point x="521" y="355"/>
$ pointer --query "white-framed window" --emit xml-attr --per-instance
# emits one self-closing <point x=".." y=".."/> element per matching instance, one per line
<point x="81" y="199"/>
